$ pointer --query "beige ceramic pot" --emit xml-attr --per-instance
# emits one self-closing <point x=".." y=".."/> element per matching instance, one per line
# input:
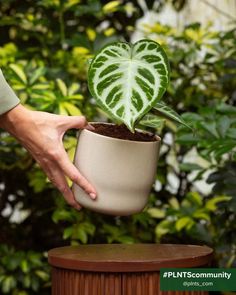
<point x="121" y="171"/>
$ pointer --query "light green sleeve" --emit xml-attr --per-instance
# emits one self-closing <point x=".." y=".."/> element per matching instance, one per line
<point x="8" y="98"/>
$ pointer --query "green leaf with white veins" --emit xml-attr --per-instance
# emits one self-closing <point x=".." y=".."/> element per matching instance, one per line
<point x="152" y="121"/>
<point x="127" y="80"/>
<point x="162" y="110"/>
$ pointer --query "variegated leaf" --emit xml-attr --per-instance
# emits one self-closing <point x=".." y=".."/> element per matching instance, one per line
<point x="127" y="80"/>
<point x="152" y="121"/>
<point x="19" y="72"/>
<point x="62" y="87"/>
<point x="164" y="111"/>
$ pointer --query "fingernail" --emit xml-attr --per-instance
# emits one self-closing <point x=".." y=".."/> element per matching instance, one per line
<point x="93" y="195"/>
<point x="90" y="127"/>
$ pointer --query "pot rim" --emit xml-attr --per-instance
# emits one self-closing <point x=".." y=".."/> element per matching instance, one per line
<point x="158" y="138"/>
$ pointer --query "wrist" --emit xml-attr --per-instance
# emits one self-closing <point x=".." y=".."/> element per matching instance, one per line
<point x="15" y="117"/>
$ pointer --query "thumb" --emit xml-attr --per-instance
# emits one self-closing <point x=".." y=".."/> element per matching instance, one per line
<point x="69" y="122"/>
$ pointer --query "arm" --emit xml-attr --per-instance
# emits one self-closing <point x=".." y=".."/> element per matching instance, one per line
<point x="41" y="134"/>
<point x="8" y="99"/>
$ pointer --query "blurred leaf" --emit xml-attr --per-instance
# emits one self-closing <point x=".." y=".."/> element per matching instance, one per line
<point x="174" y="203"/>
<point x="35" y="285"/>
<point x="231" y="133"/>
<point x="62" y="109"/>
<point x="80" y="50"/>
<point x="163" y="228"/>
<point x="8" y="284"/>
<point x="210" y="127"/>
<point x="73" y="88"/>
<point x="223" y="125"/>
<point x="25" y="266"/>
<point x="19" y="72"/>
<point x="212" y="203"/>
<point x="109" y="32"/>
<point x="42" y="275"/>
<point x="183" y="222"/>
<point x="191" y="117"/>
<point x="200" y="214"/>
<point x="189" y="167"/>
<point x="76" y="96"/>
<point x="67" y="232"/>
<point x="111" y="6"/>
<point x="27" y="281"/>
<point x="89" y="228"/>
<point x="195" y="198"/>
<point x="71" y="109"/>
<point x="40" y="86"/>
<point x="226" y="108"/>
<point x="61" y="214"/>
<point x="38" y="73"/>
<point x="91" y="34"/>
<point x="126" y="240"/>
<point x="188" y="139"/>
<point x="81" y="235"/>
<point x="71" y="3"/>
<point x="156" y="213"/>
<point x="62" y="86"/>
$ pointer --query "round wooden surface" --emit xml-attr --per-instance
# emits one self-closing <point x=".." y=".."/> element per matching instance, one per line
<point x="129" y="258"/>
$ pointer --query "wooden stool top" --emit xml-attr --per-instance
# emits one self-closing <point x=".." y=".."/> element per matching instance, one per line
<point x="129" y="258"/>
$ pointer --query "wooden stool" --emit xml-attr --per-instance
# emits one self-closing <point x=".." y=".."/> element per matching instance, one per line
<point x="116" y="269"/>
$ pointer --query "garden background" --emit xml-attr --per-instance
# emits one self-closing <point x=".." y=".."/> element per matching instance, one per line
<point x="45" y="46"/>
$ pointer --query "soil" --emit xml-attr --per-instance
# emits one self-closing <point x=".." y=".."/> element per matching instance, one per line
<point x="122" y="132"/>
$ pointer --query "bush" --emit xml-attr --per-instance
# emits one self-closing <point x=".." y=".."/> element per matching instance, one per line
<point x="22" y="273"/>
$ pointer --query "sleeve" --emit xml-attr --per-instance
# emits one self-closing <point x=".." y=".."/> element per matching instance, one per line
<point x="8" y="98"/>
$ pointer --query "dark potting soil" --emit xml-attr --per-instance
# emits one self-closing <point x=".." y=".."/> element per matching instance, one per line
<point x="122" y="132"/>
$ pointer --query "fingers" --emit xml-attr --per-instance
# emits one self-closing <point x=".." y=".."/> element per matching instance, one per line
<point x="60" y="156"/>
<point x="56" y="176"/>
<point x="77" y="122"/>
<point x="73" y="173"/>
<point x="68" y="122"/>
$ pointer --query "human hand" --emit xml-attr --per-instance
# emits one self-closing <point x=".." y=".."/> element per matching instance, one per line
<point x="41" y="134"/>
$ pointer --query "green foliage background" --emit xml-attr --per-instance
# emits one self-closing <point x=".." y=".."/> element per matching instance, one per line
<point x="44" y="51"/>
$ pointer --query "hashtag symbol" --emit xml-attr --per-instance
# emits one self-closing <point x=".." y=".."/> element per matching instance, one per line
<point x="165" y="274"/>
